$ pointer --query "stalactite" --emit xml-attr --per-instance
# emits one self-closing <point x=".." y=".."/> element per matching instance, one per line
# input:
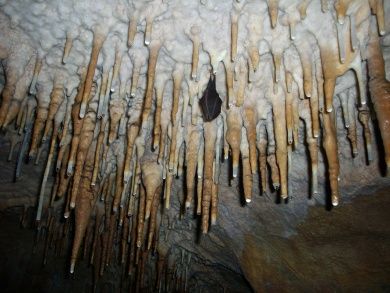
<point x="250" y="125"/>
<point x="154" y="48"/>
<point x="364" y="116"/>
<point x="233" y="136"/>
<point x="379" y="89"/>
<point x="273" y="7"/>
<point x="234" y="35"/>
<point x="77" y="124"/>
<point x="241" y="76"/>
<point x="132" y="132"/>
<point x="37" y="70"/>
<point x="246" y="169"/>
<point x="39" y="123"/>
<point x="85" y="202"/>
<point x="191" y="162"/>
<point x="195" y="38"/>
<point x="159" y="89"/>
<point x="330" y="146"/>
<point x="98" y="40"/>
<point x="279" y="118"/>
<point x="67" y="47"/>
<point x="210" y="135"/>
<point x="262" y="148"/>
<point x="56" y="99"/>
<point x="177" y="80"/>
<point x="86" y="138"/>
<point x="152" y="180"/>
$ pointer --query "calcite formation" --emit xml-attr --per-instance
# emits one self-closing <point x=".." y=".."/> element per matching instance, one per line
<point x="112" y="90"/>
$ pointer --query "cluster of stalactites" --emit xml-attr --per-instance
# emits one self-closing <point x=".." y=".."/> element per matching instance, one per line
<point x="116" y="164"/>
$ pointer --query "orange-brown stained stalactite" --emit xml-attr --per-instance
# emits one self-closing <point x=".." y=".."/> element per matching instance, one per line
<point x="250" y="125"/>
<point x="98" y="40"/>
<point x="364" y="117"/>
<point x="330" y="146"/>
<point x="173" y="146"/>
<point x="262" y="148"/>
<point x="86" y="138"/>
<point x="380" y="92"/>
<point x="117" y="109"/>
<point x="377" y="9"/>
<point x="254" y="57"/>
<point x="151" y="179"/>
<point x="279" y="119"/>
<point x="56" y="99"/>
<point x="306" y="57"/>
<point x="312" y="145"/>
<point x="341" y="7"/>
<point x="277" y="58"/>
<point x="199" y="186"/>
<point x="148" y="30"/>
<point x="168" y="189"/>
<point x="210" y="136"/>
<point x="141" y="216"/>
<point x="191" y="162"/>
<point x="246" y="169"/>
<point x="234" y="35"/>
<point x="77" y="123"/>
<point x="271" y="158"/>
<point x="159" y="89"/>
<point x="153" y="216"/>
<point x="289" y="117"/>
<point x="67" y="47"/>
<point x="229" y="82"/>
<point x="314" y="110"/>
<point x="132" y="30"/>
<point x="214" y="204"/>
<point x="273" y="8"/>
<point x="332" y="67"/>
<point x="233" y="136"/>
<point x="195" y="38"/>
<point x="132" y="132"/>
<point x="177" y="80"/>
<point x="135" y="78"/>
<point x="39" y="124"/>
<point x="241" y="75"/>
<point x="119" y="186"/>
<point x="302" y="8"/>
<point x="154" y="48"/>
<point x="37" y="70"/>
<point x="340" y="28"/>
<point x="99" y="143"/>
<point x="85" y="203"/>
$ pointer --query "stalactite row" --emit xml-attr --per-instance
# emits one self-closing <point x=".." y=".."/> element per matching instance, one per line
<point x="117" y="137"/>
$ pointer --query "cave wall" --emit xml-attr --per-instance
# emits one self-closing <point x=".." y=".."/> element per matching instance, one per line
<point x="110" y="142"/>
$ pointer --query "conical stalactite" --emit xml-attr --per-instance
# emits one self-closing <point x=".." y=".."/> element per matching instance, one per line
<point x="115" y="102"/>
<point x="210" y="136"/>
<point x="98" y="39"/>
<point x="379" y="91"/>
<point x="84" y="204"/>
